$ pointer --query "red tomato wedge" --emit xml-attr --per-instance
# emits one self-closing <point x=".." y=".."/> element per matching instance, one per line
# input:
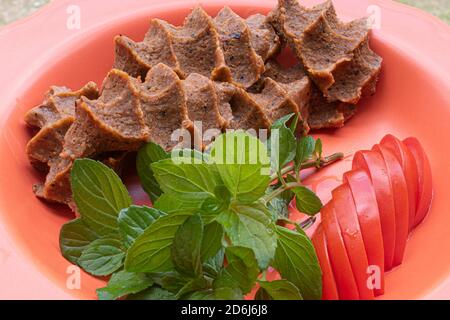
<point x="347" y="217"/>
<point x="329" y="289"/>
<point x="401" y="201"/>
<point x="425" y="181"/>
<point x="369" y="220"/>
<point x="408" y="163"/>
<point x="339" y="260"/>
<point x="373" y="164"/>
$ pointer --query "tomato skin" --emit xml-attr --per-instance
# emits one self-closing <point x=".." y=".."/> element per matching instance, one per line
<point x="401" y="201"/>
<point x="369" y="219"/>
<point x="329" y="289"/>
<point x="347" y="217"/>
<point x="374" y="165"/>
<point x="339" y="260"/>
<point x="425" y="179"/>
<point x="408" y="163"/>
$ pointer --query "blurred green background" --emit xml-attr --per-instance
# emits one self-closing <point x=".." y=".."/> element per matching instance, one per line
<point x="11" y="10"/>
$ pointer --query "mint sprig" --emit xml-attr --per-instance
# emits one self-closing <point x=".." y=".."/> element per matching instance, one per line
<point x="214" y="226"/>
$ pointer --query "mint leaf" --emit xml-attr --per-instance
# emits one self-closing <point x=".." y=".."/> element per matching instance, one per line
<point x="243" y="165"/>
<point x="172" y="204"/>
<point x="102" y="257"/>
<point x="296" y="261"/>
<point x="282" y="143"/>
<point x="152" y="250"/>
<point x="186" y="247"/>
<point x="123" y="283"/>
<point x="279" y="206"/>
<point x="202" y="295"/>
<point x="74" y="237"/>
<point x="214" y="265"/>
<point x="171" y="281"/>
<point x="278" y="290"/>
<point x="193" y="285"/>
<point x="307" y="201"/>
<point x="193" y="182"/>
<point x="99" y="195"/>
<point x="212" y="240"/>
<point x="251" y="226"/>
<point x="153" y="293"/>
<point x="147" y="155"/>
<point x="305" y="149"/>
<point x="225" y="288"/>
<point x="134" y="220"/>
<point x="242" y="267"/>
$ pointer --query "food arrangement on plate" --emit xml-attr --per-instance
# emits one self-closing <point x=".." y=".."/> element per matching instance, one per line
<point x="187" y="99"/>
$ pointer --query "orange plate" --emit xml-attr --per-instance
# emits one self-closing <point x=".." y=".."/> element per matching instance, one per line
<point x="48" y="48"/>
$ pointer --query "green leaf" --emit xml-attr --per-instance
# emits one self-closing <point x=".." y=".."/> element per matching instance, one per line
<point x="123" y="283"/>
<point x="99" y="195"/>
<point x="296" y="261"/>
<point x="242" y="267"/>
<point x="193" y="182"/>
<point x="278" y="290"/>
<point x="74" y="237"/>
<point x="243" y="165"/>
<point x="147" y="155"/>
<point x="279" y="206"/>
<point x="171" y="281"/>
<point x="307" y="201"/>
<point x="251" y="226"/>
<point x="186" y="247"/>
<point x="305" y="149"/>
<point x="193" y="285"/>
<point x="134" y="220"/>
<point x="214" y="265"/>
<point x="318" y="148"/>
<point x="212" y="240"/>
<point x="202" y="295"/>
<point x="153" y="293"/>
<point x="102" y="257"/>
<point x="152" y="250"/>
<point x="171" y="204"/>
<point x="282" y="143"/>
<point x="225" y="288"/>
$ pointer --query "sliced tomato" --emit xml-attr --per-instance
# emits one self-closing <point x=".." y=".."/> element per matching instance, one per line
<point x="369" y="219"/>
<point x="344" y="207"/>
<point x="373" y="164"/>
<point x="425" y="180"/>
<point x="408" y="163"/>
<point x="401" y="202"/>
<point x="329" y="288"/>
<point x="340" y="263"/>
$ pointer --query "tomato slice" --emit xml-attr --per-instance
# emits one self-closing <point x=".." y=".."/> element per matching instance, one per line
<point x="329" y="289"/>
<point x="369" y="220"/>
<point x="353" y="240"/>
<point x="425" y="180"/>
<point x="401" y="201"/>
<point x="408" y="163"/>
<point x="339" y="260"/>
<point x="374" y="165"/>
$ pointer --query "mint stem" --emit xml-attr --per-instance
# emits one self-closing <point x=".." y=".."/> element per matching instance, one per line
<point x="277" y="192"/>
<point x="326" y="161"/>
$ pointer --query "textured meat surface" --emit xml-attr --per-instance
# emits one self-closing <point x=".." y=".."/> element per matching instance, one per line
<point x="136" y="58"/>
<point x="196" y="45"/>
<point x="335" y="54"/>
<point x="163" y="103"/>
<point x="53" y="118"/>
<point x="203" y="105"/>
<point x="245" y="64"/>
<point x="265" y="40"/>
